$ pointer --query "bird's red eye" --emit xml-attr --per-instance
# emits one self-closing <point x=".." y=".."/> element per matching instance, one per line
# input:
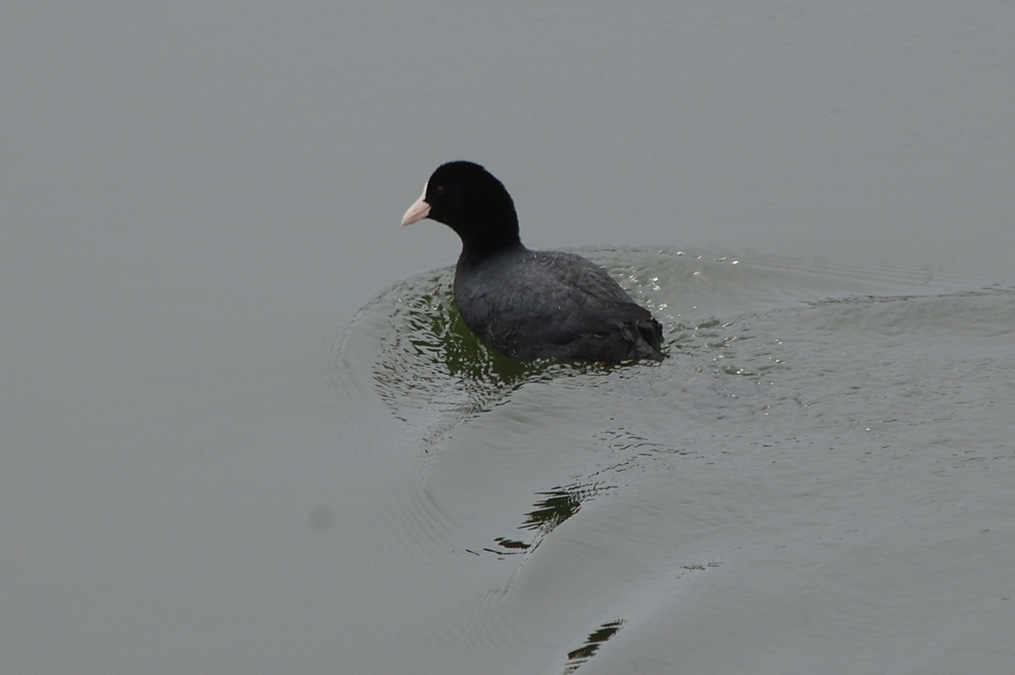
<point x="439" y="190"/>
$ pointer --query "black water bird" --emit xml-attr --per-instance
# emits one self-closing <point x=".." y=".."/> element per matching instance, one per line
<point x="529" y="304"/>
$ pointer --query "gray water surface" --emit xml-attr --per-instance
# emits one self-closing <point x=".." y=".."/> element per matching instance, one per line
<point x="808" y="480"/>
<point x="242" y="429"/>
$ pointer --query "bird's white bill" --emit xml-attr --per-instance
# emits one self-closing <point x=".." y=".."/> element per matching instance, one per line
<point x="418" y="211"/>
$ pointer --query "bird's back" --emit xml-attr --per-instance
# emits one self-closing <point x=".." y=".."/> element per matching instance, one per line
<point x="534" y="304"/>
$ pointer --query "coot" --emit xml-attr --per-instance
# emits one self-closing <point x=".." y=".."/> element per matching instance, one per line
<point x="529" y="304"/>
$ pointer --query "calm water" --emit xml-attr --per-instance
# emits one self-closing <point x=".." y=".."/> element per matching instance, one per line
<point x="243" y="428"/>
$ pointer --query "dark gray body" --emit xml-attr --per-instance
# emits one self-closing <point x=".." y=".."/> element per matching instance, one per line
<point x="536" y="304"/>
